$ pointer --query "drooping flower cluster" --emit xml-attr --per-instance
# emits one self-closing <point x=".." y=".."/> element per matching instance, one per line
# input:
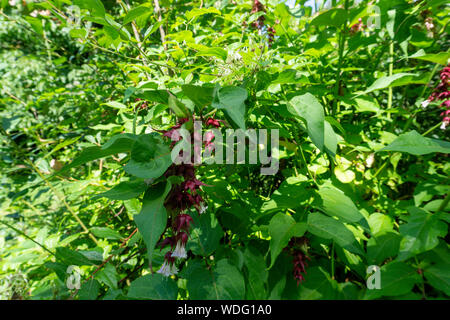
<point x="357" y="27"/>
<point x="182" y="197"/>
<point x="258" y="7"/>
<point x="271" y="32"/>
<point x="442" y="93"/>
<point x="300" y="265"/>
<point x="260" y="22"/>
<point x="297" y="248"/>
<point x="143" y="105"/>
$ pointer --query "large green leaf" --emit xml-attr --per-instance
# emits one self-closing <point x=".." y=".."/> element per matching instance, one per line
<point x="150" y="157"/>
<point x="136" y="12"/>
<point x="420" y="233"/>
<point x="333" y="17"/>
<point x="382" y="246"/>
<point x="318" y="285"/>
<point x="107" y="233"/>
<point x="108" y="275"/>
<point x="70" y="257"/>
<point x="281" y="229"/>
<point x="308" y="108"/>
<point x="438" y="276"/>
<point x="441" y="57"/>
<point x="205" y="234"/>
<point x="257" y="273"/>
<point x="222" y="282"/>
<point x="152" y="219"/>
<point x="153" y="287"/>
<point x="396" y="278"/>
<point x="201" y="96"/>
<point x="412" y="142"/>
<point x="329" y="228"/>
<point x="231" y="100"/>
<point x="95" y="6"/>
<point x="335" y="203"/>
<point x="124" y="190"/>
<point x="118" y="144"/>
<point x="396" y="80"/>
<point x="291" y="193"/>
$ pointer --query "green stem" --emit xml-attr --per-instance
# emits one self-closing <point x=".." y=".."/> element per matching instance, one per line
<point x="391" y="71"/>
<point x="431" y="129"/>
<point x="62" y="199"/>
<point x="29" y="238"/>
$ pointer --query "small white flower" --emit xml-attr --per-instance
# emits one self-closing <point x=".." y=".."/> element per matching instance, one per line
<point x="168" y="269"/>
<point x="180" y="251"/>
<point x="165" y="269"/>
<point x="370" y="160"/>
<point x="173" y="269"/>
<point x="425" y="103"/>
<point x="202" y="208"/>
<point x="444" y="125"/>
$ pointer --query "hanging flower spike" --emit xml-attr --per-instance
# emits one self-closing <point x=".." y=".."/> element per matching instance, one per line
<point x="213" y="122"/>
<point x="168" y="268"/>
<point x="180" y="249"/>
<point x="167" y="241"/>
<point x="300" y="265"/>
<point x="200" y="204"/>
<point x="193" y="185"/>
<point x="183" y="222"/>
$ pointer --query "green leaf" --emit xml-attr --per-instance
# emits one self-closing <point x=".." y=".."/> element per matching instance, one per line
<point x="397" y="278"/>
<point x="137" y="12"/>
<point x="309" y="109"/>
<point x="380" y="223"/>
<point x="196" y="12"/>
<point x="420" y="233"/>
<point x="124" y="190"/>
<point x="335" y="203"/>
<point x="330" y="139"/>
<point x="412" y="142"/>
<point x="153" y="287"/>
<point x="396" y="80"/>
<point x="115" y="105"/>
<point x="318" y="285"/>
<point x="201" y="96"/>
<point x="231" y="100"/>
<point x="180" y="110"/>
<point x="70" y="257"/>
<point x="205" y="234"/>
<point x="213" y="52"/>
<point x="281" y="229"/>
<point x="89" y="290"/>
<point x="152" y="219"/>
<point x="95" y="6"/>
<point x="441" y="57"/>
<point x="150" y="157"/>
<point x="382" y="246"/>
<point x="222" y="282"/>
<point x="118" y="144"/>
<point x="439" y="277"/>
<point x="108" y="275"/>
<point x="329" y="228"/>
<point x="291" y="193"/>
<point x="333" y="17"/>
<point x="107" y="233"/>
<point x="36" y="24"/>
<point x="257" y="273"/>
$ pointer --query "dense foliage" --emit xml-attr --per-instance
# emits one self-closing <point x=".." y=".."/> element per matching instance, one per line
<point x="92" y="92"/>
